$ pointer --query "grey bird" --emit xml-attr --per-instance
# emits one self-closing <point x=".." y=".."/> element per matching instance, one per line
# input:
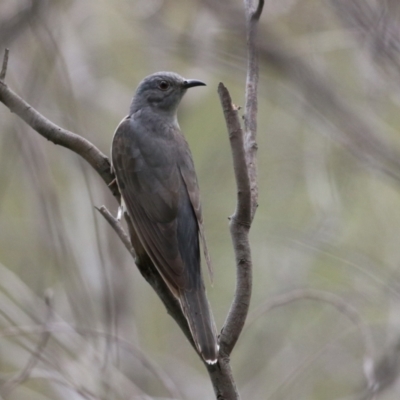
<point x="157" y="180"/>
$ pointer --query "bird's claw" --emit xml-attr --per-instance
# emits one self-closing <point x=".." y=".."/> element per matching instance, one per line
<point x="120" y="213"/>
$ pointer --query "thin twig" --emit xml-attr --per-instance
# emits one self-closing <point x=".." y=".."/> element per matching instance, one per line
<point x="4" y="66"/>
<point x="119" y="230"/>
<point x="24" y="374"/>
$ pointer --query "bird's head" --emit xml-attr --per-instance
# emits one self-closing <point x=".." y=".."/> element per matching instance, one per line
<point x="162" y="91"/>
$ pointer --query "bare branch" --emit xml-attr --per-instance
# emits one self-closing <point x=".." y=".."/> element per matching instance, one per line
<point x="242" y="213"/>
<point x="239" y="228"/>
<point x="58" y="135"/>
<point x="119" y="230"/>
<point x="12" y="26"/>
<point x="375" y="26"/>
<point x="4" y="66"/>
<point x="222" y="379"/>
<point x="24" y="374"/>
<point x="244" y="151"/>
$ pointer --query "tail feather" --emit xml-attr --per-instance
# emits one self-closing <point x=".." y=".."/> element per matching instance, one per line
<point x="201" y="323"/>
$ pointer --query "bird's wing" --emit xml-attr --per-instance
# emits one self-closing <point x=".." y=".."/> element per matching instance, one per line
<point x="150" y="186"/>
<point x="186" y="167"/>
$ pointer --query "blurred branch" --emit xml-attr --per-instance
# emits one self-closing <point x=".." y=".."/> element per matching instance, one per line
<point x="63" y="327"/>
<point x="12" y="27"/>
<point x="340" y="304"/>
<point x="347" y="126"/>
<point x="376" y="26"/>
<point x="24" y="374"/>
<point x="353" y="131"/>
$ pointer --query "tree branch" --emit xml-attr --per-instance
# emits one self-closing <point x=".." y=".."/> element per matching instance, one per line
<point x="118" y="229"/>
<point x="239" y="228"/>
<point x="244" y="151"/>
<point x="59" y="136"/>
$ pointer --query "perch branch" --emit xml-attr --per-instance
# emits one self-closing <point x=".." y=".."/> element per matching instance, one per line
<point x="55" y="134"/>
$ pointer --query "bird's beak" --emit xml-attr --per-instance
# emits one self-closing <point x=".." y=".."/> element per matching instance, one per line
<point x="192" y="83"/>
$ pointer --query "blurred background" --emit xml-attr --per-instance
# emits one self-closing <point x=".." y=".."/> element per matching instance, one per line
<point x="324" y="321"/>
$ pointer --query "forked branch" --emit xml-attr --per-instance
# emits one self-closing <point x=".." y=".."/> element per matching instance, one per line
<point x="244" y="151"/>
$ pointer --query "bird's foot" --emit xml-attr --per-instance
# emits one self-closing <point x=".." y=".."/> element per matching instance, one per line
<point x="120" y="212"/>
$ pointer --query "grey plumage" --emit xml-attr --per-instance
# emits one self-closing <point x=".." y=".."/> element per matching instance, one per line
<point x="158" y="183"/>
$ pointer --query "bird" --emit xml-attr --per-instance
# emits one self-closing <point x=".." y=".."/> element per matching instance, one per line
<point x="155" y="174"/>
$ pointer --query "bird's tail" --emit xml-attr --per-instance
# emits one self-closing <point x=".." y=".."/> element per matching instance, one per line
<point x="201" y="323"/>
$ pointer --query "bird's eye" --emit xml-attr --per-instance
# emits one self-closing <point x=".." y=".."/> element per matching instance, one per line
<point x="163" y="85"/>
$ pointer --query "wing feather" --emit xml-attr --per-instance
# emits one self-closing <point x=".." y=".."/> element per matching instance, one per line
<point x="150" y="188"/>
<point x="189" y="177"/>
